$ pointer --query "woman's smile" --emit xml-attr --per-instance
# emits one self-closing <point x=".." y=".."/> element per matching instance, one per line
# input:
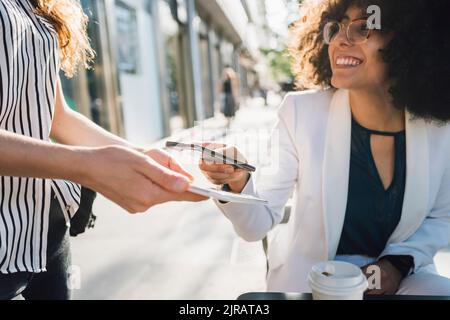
<point x="346" y="62"/>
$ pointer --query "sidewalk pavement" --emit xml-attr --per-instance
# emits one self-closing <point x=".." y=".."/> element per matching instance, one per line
<point x="178" y="250"/>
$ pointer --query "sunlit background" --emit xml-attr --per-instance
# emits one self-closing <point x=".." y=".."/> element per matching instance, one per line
<point x="159" y="62"/>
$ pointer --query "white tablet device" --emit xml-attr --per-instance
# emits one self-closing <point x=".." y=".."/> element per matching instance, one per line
<point x="226" y="196"/>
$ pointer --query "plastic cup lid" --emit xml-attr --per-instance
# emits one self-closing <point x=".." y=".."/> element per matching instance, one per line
<point x="337" y="275"/>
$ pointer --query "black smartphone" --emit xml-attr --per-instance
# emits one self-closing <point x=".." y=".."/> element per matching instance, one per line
<point x="211" y="154"/>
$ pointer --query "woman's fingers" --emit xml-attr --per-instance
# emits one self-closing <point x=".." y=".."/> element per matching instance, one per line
<point x="193" y="197"/>
<point x="177" y="167"/>
<point x="219" y="179"/>
<point x="223" y="176"/>
<point x="233" y="152"/>
<point x="218" y="182"/>
<point x="228" y="152"/>
<point x="213" y="145"/>
<point x="218" y="176"/>
<point x="166" y="196"/>
<point x="220" y="173"/>
<point x="216" y="168"/>
<point x="222" y="151"/>
<point x="147" y="181"/>
<point x="164" y="177"/>
<point x="166" y="160"/>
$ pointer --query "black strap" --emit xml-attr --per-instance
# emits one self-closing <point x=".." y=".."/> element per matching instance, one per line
<point x="83" y="218"/>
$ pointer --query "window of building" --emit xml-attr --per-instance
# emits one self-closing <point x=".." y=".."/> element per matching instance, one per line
<point x="172" y="43"/>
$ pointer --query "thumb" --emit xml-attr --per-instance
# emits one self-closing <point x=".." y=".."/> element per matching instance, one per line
<point x="176" y="166"/>
<point x="169" y="180"/>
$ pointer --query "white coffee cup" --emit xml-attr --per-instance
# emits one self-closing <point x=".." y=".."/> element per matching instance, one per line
<point x="337" y="280"/>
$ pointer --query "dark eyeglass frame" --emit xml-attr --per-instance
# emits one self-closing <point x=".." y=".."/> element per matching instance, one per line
<point x="346" y="27"/>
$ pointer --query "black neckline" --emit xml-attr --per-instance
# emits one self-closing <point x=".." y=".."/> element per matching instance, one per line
<point x="376" y="132"/>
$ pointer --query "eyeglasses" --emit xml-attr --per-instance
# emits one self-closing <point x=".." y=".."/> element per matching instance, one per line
<point x="357" y="31"/>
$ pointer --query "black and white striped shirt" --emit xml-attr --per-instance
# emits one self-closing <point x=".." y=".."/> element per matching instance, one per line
<point x="29" y="65"/>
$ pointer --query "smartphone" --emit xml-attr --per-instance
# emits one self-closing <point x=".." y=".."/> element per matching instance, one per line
<point x="209" y="154"/>
<point x="211" y="192"/>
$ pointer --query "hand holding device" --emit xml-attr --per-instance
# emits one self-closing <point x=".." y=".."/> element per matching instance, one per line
<point x="217" y="156"/>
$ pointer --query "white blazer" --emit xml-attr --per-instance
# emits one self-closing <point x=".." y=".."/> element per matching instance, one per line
<point x="314" y="130"/>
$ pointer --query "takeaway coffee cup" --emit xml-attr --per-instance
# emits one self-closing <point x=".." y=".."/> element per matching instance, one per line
<point x="337" y="280"/>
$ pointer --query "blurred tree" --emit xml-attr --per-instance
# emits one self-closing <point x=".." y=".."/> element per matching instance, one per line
<point x="280" y="66"/>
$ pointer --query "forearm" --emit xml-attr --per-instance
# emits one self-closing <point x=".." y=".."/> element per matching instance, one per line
<point x="27" y="157"/>
<point x="432" y="236"/>
<point x="251" y="221"/>
<point x="72" y="128"/>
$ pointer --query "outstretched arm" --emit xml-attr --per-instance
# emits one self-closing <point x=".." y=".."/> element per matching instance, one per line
<point x="127" y="177"/>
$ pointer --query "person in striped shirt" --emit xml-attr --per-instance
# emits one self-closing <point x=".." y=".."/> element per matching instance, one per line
<point x="39" y="180"/>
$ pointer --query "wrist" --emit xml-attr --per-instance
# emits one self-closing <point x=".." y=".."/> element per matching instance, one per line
<point x="238" y="186"/>
<point x="83" y="161"/>
<point x="402" y="263"/>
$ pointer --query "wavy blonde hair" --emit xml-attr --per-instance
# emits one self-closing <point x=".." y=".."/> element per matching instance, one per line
<point x="70" y="23"/>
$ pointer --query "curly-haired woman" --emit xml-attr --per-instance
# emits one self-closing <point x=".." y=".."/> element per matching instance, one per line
<point x="367" y="152"/>
<point x="37" y="38"/>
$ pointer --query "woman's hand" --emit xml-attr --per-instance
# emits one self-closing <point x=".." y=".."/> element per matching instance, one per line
<point x="136" y="181"/>
<point x="220" y="174"/>
<point x="166" y="160"/>
<point x="390" y="278"/>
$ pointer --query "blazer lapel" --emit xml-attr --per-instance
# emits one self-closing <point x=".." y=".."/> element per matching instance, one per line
<point x="336" y="168"/>
<point x="415" y="201"/>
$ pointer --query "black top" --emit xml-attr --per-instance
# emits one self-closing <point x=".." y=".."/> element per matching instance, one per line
<point x="227" y="86"/>
<point x="372" y="212"/>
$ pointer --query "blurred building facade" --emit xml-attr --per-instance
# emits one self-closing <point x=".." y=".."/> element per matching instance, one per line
<point x="159" y="62"/>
